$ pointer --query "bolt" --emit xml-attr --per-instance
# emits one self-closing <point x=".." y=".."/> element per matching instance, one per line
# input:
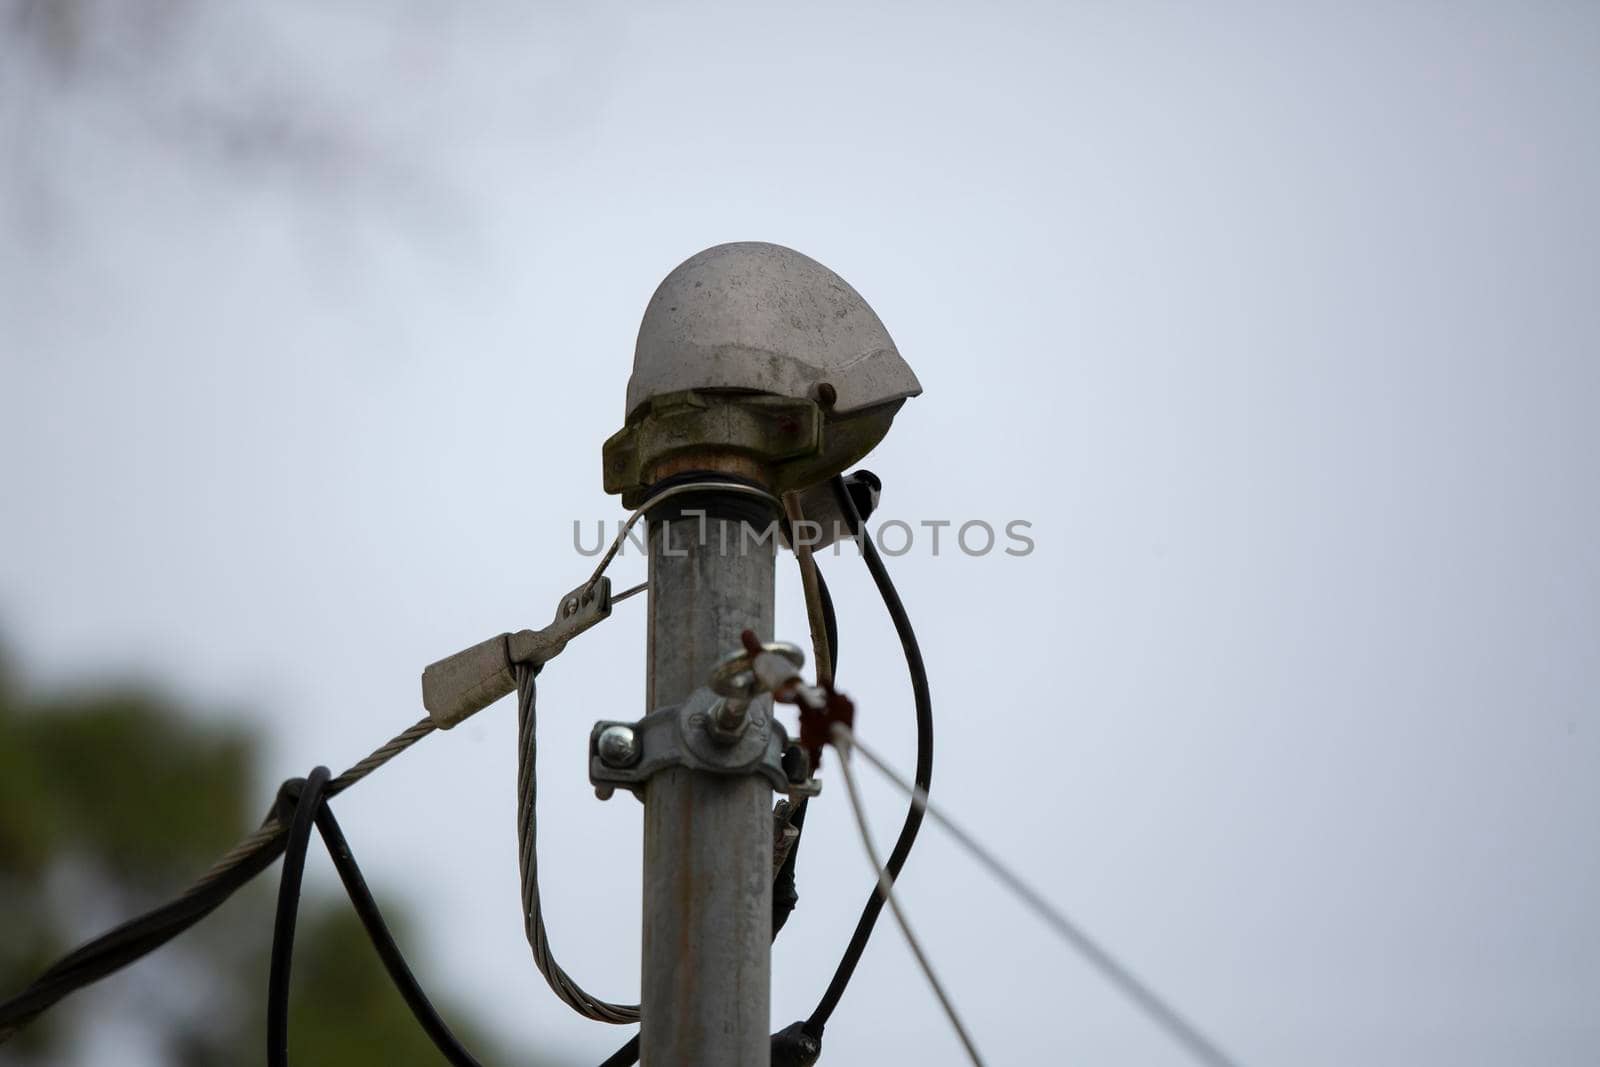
<point x="729" y="715"/>
<point x="618" y="746"/>
<point x="569" y="607"/>
<point x="604" y="791"/>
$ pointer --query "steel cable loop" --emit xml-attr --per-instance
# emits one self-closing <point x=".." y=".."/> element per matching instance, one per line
<point x="561" y="983"/>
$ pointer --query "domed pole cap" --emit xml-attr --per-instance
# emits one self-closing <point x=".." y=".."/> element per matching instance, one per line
<point x="753" y="350"/>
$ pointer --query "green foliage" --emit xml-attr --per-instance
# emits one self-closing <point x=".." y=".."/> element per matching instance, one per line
<point x="121" y="780"/>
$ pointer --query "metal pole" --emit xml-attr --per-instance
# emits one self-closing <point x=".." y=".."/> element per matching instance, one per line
<point x="706" y="987"/>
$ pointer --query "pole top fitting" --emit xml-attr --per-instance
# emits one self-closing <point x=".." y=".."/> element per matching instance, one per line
<point x="757" y="354"/>
<point x="762" y="318"/>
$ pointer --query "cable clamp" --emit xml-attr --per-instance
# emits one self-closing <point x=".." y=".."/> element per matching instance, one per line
<point x="469" y="681"/>
<point x="629" y="754"/>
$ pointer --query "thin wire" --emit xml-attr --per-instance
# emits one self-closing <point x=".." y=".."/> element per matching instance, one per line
<point x="1163" y="1014"/>
<point x="561" y="983"/>
<point x="633" y="590"/>
<point x="668" y="494"/>
<point x="842" y="741"/>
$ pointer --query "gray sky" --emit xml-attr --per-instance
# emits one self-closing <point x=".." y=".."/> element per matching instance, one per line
<point x="1278" y="322"/>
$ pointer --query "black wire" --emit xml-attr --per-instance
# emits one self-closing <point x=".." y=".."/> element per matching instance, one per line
<point x="923" y="774"/>
<point x="367" y="911"/>
<point x="311" y="807"/>
<point x="294" y="867"/>
<point x="626" y="1056"/>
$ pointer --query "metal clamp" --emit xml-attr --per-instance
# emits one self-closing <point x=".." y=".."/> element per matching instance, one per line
<point x="472" y="679"/>
<point x="627" y="754"/>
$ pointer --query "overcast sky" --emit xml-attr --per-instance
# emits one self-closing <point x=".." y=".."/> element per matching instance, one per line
<point x="1278" y="322"/>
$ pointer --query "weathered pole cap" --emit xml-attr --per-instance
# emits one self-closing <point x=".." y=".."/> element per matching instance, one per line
<point x="754" y="350"/>
<point x="766" y="319"/>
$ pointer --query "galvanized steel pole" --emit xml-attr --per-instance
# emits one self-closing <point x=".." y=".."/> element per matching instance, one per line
<point x="705" y="996"/>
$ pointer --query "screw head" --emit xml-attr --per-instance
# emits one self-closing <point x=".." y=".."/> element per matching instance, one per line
<point x="618" y="746"/>
<point x="569" y="607"/>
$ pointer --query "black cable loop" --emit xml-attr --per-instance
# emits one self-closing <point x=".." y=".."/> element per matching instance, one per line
<point x="307" y="796"/>
<point x="923" y="774"/>
<point x="378" y="932"/>
<point x="304" y="802"/>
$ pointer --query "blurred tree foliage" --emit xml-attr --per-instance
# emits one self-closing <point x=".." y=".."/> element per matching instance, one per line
<point x="110" y="802"/>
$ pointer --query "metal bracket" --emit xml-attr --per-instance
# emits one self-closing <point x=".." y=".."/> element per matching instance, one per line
<point x="472" y="679"/>
<point x="685" y="736"/>
<point x="779" y="431"/>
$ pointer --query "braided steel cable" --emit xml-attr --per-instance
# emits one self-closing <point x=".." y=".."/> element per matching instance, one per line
<point x="273" y="829"/>
<point x="561" y="983"/>
<point x="388" y="751"/>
